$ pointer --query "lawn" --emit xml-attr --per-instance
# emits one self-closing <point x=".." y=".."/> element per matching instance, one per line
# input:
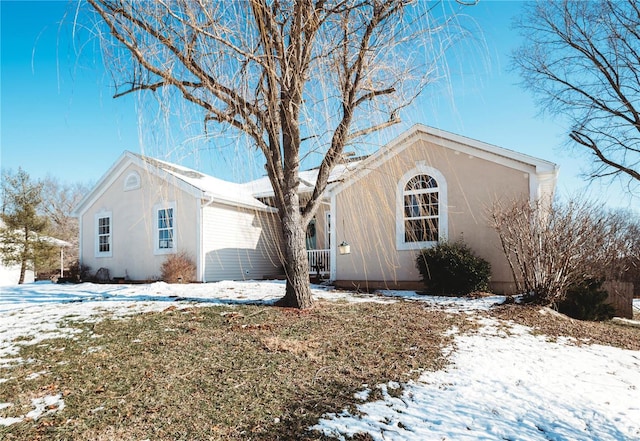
<point x="152" y="363"/>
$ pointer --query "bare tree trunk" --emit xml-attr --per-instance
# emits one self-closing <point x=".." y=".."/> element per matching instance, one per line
<point x="281" y="73"/>
<point x="296" y="264"/>
<point x="23" y="270"/>
<point x="24" y="257"/>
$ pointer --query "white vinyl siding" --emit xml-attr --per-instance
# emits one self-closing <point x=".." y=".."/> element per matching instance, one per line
<point x="239" y="244"/>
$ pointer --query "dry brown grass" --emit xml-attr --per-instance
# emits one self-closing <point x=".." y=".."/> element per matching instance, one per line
<point x="246" y="372"/>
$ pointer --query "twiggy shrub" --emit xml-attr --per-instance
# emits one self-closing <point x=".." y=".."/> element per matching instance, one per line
<point x="553" y="247"/>
<point x="453" y="269"/>
<point x="78" y="272"/>
<point x="178" y="268"/>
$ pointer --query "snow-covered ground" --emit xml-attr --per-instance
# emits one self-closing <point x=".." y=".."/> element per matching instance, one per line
<point x="515" y="386"/>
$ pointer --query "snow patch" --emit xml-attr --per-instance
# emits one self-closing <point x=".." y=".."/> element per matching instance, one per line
<point x="35" y="375"/>
<point x="43" y="406"/>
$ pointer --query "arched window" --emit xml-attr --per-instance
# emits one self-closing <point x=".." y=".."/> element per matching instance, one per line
<point x="422" y="217"/>
<point x="421" y="212"/>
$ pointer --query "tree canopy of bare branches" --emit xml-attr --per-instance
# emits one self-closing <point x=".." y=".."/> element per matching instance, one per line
<point x="58" y="201"/>
<point x="290" y="76"/>
<point x="582" y="61"/>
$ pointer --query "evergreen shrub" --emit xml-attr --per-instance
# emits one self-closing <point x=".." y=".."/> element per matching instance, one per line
<point x="453" y="269"/>
<point x="586" y="301"/>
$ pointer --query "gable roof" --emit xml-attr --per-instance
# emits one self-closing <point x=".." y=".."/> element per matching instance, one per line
<point x="213" y="189"/>
<point x="198" y="184"/>
<point x="546" y="172"/>
<point x="343" y="175"/>
<point x="262" y="187"/>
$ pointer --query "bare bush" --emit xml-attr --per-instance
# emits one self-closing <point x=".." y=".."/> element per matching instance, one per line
<point x="178" y="268"/>
<point x="551" y="247"/>
<point x="624" y="264"/>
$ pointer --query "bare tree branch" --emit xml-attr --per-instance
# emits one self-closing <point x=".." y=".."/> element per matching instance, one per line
<point x="582" y="61"/>
<point x="269" y="70"/>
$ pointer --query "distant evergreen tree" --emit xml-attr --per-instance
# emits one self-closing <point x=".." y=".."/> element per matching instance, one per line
<point x="20" y="236"/>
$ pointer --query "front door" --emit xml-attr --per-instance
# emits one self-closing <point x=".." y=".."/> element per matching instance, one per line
<point x="311" y="235"/>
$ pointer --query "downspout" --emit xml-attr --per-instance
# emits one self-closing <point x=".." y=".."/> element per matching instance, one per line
<point x="201" y="257"/>
<point x="332" y="244"/>
<point x="80" y="253"/>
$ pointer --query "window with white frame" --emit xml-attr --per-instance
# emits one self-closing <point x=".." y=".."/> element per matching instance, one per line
<point x="165" y="228"/>
<point x="104" y="234"/>
<point x="421" y="211"/>
<point x="421" y="215"/>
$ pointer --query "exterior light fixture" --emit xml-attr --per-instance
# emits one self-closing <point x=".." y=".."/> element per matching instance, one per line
<point x="344" y="248"/>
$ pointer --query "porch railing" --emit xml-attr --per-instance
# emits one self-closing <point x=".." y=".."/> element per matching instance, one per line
<point x="318" y="261"/>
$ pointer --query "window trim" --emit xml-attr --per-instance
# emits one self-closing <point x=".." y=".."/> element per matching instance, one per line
<point x="156" y="229"/>
<point x="443" y="233"/>
<point x="97" y="217"/>
<point x="327" y="229"/>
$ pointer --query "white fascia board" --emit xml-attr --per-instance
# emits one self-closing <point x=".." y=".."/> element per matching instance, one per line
<point x="101" y="186"/>
<point x="468" y="146"/>
<point x="126" y="159"/>
<point x="211" y="199"/>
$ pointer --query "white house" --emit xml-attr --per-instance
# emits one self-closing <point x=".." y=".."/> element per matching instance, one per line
<point x="144" y="209"/>
<point x="425" y="186"/>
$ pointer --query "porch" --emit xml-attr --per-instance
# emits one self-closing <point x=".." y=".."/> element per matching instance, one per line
<point x="319" y="262"/>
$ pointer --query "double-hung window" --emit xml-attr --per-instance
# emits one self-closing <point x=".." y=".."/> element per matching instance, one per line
<point x="165" y="228"/>
<point x="104" y="235"/>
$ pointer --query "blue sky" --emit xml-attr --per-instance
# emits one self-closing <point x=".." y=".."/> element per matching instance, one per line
<point x="58" y="116"/>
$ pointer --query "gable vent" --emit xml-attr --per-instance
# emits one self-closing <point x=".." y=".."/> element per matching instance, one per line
<point x="132" y="181"/>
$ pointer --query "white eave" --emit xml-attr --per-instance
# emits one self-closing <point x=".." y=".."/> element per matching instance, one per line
<point x="199" y="185"/>
<point x="519" y="161"/>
